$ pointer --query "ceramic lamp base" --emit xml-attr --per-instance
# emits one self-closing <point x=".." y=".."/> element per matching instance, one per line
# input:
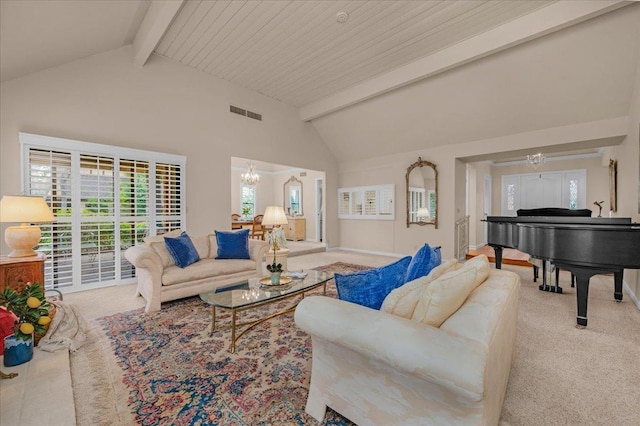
<point x="22" y="239"/>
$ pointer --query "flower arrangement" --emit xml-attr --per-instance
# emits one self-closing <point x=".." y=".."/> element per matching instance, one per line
<point x="30" y="307"/>
<point x="277" y="241"/>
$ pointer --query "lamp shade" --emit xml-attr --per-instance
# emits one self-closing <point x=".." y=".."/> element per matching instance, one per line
<point x="24" y="209"/>
<point x="423" y="212"/>
<point x="274" y="215"/>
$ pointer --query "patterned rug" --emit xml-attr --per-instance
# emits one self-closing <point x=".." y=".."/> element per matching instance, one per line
<point x="176" y="374"/>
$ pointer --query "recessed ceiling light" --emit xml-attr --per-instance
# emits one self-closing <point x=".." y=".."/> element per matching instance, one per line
<point x="342" y="17"/>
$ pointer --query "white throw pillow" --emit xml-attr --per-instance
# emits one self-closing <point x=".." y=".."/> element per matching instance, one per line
<point x="161" y="249"/>
<point x="402" y="300"/>
<point x="444" y="296"/>
<point x="160" y="238"/>
<point x="202" y="245"/>
<point x="481" y="265"/>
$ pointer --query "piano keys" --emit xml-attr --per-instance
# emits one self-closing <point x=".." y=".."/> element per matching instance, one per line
<point x="585" y="246"/>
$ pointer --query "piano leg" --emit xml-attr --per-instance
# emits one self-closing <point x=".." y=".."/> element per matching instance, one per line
<point x="498" y="253"/>
<point x="582" y="294"/>
<point x="617" y="280"/>
<point x="583" y="274"/>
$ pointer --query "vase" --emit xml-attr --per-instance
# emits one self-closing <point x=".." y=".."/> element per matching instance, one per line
<point x="17" y="351"/>
<point x="275" y="278"/>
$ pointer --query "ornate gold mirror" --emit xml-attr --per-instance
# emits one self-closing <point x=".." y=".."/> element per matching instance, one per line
<point x="422" y="193"/>
<point x="292" y="194"/>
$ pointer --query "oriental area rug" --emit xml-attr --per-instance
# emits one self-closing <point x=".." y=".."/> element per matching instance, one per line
<point x="177" y="374"/>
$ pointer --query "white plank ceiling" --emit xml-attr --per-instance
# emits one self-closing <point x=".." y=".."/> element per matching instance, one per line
<point x="297" y="51"/>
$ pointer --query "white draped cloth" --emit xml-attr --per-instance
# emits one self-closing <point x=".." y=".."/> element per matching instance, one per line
<point x="68" y="329"/>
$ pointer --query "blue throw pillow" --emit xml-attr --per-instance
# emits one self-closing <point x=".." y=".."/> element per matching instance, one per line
<point x="233" y="244"/>
<point x="370" y="287"/>
<point x="182" y="250"/>
<point x="423" y="262"/>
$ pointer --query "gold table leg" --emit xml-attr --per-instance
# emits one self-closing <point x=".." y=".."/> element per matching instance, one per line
<point x="213" y="320"/>
<point x="7" y="376"/>
<point x="233" y="331"/>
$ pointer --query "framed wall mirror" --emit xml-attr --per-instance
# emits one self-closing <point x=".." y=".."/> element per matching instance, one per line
<point x="292" y="193"/>
<point x="422" y="193"/>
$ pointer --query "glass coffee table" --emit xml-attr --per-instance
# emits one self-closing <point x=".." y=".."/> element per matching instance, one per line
<point x="251" y="293"/>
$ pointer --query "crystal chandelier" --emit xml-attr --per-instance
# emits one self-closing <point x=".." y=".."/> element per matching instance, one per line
<point x="250" y="177"/>
<point x="536" y="160"/>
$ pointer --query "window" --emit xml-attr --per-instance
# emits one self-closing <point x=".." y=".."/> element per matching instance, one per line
<point x="103" y="202"/>
<point x="370" y="202"/>
<point x="511" y="193"/>
<point x="248" y="201"/>
<point x="416" y="200"/>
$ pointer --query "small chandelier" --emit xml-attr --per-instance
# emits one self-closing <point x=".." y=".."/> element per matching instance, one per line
<point x="536" y="160"/>
<point x="250" y="177"/>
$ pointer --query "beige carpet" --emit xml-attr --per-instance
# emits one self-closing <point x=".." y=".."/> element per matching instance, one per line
<point x="561" y="376"/>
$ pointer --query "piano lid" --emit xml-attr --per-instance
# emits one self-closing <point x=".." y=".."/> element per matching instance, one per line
<point x="562" y="220"/>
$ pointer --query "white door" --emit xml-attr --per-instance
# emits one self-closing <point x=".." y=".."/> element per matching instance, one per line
<point x="541" y="190"/>
<point x="565" y="189"/>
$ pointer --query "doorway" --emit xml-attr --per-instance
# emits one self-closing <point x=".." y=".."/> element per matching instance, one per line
<point x="319" y="210"/>
<point x="487" y="204"/>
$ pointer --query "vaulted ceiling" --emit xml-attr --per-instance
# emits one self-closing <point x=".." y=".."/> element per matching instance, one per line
<point x="394" y="76"/>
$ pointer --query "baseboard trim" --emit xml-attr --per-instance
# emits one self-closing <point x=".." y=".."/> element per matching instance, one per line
<point x="378" y="253"/>
<point x="479" y="246"/>
<point x="631" y="294"/>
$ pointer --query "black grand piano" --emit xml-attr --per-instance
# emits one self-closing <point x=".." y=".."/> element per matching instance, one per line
<point x="585" y="246"/>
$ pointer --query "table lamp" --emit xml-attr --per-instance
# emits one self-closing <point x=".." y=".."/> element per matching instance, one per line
<point x="23" y="209"/>
<point x="423" y="213"/>
<point x="274" y="216"/>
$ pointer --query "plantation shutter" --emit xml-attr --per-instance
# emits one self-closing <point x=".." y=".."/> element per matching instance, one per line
<point x="101" y="198"/>
<point x="49" y="176"/>
<point x="168" y="197"/>
<point x="97" y="222"/>
<point x="371" y="202"/>
<point x="134" y="208"/>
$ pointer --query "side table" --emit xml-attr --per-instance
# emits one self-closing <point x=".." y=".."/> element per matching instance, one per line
<point x="16" y="272"/>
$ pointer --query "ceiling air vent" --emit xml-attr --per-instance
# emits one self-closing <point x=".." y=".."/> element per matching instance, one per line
<point x="236" y="110"/>
<point x="254" y="115"/>
<point x="244" y="112"/>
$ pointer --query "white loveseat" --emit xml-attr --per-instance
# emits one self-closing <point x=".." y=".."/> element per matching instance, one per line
<point x="160" y="280"/>
<point x="376" y="368"/>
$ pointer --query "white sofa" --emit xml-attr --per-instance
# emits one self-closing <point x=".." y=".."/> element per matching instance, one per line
<point x="376" y="368"/>
<point x="160" y="280"/>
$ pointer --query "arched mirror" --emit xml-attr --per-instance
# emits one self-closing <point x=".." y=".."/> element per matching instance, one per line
<point x="293" y="197"/>
<point x="422" y="193"/>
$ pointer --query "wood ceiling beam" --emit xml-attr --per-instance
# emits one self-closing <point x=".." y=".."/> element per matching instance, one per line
<point x="155" y="24"/>
<point x="531" y="26"/>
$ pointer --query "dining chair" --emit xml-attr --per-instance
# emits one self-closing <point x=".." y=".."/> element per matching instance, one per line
<point x="257" y="229"/>
<point x="235" y="217"/>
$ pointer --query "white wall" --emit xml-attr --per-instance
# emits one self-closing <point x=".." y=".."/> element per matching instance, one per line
<point x="165" y="107"/>
<point x="628" y="156"/>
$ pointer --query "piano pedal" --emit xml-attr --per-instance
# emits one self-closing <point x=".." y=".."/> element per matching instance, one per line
<point x="550" y="288"/>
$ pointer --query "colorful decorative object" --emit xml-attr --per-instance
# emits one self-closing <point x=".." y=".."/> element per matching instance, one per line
<point x="31" y="308"/>
<point x="17" y="351"/>
<point x="265" y="382"/>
